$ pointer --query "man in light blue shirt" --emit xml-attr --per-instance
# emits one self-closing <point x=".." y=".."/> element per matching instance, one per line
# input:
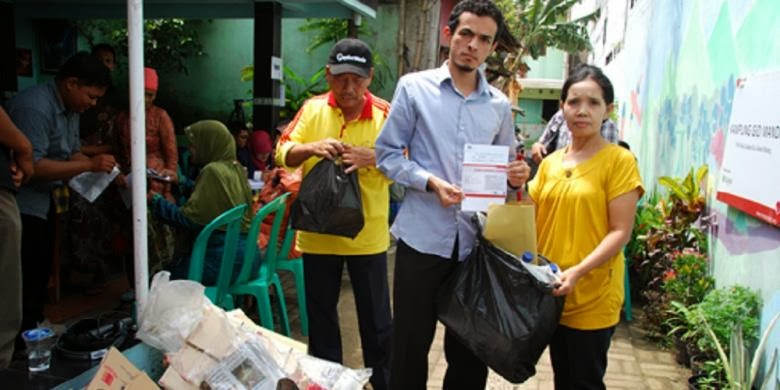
<point x="48" y="114"/>
<point x="434" y="114"/>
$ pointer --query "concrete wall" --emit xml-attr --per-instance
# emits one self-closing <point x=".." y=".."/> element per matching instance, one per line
<point x="382" y="40"/>
<point x="27" y="38"/>
<point x="551" y="66"/>
<point x="213" y="81"/>
<point x="674" y="69"/>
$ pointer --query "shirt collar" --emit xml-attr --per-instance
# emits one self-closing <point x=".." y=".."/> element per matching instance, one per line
<point x="368" y="102"/>
<point x="57" y="97"/>
<point x="442" y="74"/>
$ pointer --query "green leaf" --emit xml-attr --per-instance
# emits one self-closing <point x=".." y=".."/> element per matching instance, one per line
<point x="754" y="366"/>
<point x="248" y="73"/>
<point x="673" y="185"/>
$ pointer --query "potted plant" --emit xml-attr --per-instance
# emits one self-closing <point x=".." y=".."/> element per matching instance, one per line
<point x="685" y="284"/>
<point x="720" y="311"/>
<point x="682" y="226"/>
<point x="742" y="369"/>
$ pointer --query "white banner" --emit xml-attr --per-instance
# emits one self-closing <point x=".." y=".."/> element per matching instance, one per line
<point x="750" y="175"/>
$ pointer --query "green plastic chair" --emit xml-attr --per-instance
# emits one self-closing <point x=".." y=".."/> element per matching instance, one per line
<point x="296" y="267"/>
<point x="258" y="272"/>
<point x="231" y="222"/>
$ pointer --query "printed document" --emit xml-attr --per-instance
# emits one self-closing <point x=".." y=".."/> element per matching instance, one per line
<point x="484" y="176"/>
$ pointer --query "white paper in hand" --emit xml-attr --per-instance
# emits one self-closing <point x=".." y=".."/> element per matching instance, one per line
<point x="484" y="176"/>
<point x="91" y="184"/>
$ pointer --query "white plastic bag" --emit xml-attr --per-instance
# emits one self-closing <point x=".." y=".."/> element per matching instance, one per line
<point x="172" y="310"/>
<point x="91" y="184"/>
<point x="329" y="375"/>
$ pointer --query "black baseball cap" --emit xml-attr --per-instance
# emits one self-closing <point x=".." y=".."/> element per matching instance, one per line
<point x="350" y="56"/>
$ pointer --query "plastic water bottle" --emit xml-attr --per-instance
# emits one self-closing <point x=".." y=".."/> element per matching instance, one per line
<point x="527" y="257"/>
<point x="543" y="273"/>
<point x="555" y="270"/>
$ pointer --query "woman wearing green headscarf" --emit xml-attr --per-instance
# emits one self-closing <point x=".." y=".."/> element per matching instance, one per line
<point x="220" y="186"/>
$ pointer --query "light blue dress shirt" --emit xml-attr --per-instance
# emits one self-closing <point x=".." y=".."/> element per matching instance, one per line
<point x="434" y="121"/>
<point x="53" y="132"/>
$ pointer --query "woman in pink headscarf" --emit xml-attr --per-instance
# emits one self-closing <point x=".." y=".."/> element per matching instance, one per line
<point x="162" y="156"/>
<point x="161" y="152"/>
<point x="260" y="150"/>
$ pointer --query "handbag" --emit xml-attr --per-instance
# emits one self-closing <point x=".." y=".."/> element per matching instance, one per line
<point x="500" y="311"/>
<point x="329" y="201"/>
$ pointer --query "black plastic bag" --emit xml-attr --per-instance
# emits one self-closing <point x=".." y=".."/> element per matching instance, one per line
<point x="329" y="201"/>
<point x="499" y="311"/>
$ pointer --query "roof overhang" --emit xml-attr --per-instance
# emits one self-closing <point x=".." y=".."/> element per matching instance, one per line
<point x="202" y="9"/>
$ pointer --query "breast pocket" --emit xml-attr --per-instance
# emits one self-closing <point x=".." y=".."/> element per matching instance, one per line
<point x="483" y="123"/>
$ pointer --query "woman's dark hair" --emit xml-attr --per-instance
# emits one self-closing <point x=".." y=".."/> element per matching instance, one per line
<point x="103" y="47"/>
<point x="88" y="69"/>
<point x="479" y="8"/>
<point x="584" y="72"/>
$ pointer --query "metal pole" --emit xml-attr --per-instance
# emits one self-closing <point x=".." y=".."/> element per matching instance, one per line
<point x="135" y="37"/>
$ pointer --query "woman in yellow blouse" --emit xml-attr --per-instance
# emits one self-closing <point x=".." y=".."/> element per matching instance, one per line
<point x="586" y="197"/>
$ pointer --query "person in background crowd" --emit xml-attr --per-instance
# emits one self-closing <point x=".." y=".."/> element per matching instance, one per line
<point x="16" y="167"/>
<point x="435" y="113"/>
<point x="557" y="135"/>
<point x="96" y="240"/>
<point x="161" y="153"/>
<point x="220" y="186"/>
<point x="586" y="197"/>
<point x="48" y="114"/>
<point x="97" y="123"/>
<point x="162" y="156"/>
<point x="260" y="147"/>
<point x="243" y="155"/>
<point x="344" y="123"/>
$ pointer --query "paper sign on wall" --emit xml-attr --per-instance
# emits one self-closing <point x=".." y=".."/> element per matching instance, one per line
<point x="750" y="175"/>
<point x="276" y="69"/>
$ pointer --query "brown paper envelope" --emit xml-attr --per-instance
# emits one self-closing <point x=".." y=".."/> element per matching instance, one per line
<point x="512" y="227"/>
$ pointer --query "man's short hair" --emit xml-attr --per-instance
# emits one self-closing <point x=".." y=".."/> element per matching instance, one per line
<point x="479" y="8"/>
<point x="88" y="69"/>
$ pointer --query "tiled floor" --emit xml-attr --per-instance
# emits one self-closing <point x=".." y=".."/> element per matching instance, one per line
<point x="634" y="363"/>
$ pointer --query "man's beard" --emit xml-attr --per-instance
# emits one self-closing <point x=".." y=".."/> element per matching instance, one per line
<point x="464" y="68"/>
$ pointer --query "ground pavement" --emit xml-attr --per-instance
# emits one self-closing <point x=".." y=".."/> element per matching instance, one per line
<point x="634" y="363"/>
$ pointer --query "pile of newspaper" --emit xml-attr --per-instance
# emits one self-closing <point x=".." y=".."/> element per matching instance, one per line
<point x="205" y="345"/>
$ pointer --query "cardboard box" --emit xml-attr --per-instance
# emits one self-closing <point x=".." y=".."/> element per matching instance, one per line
<point x="116" y="373"/>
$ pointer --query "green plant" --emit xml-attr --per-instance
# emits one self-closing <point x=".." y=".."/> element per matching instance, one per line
<point x="168" y="43"/>
<point x="742" y="369"/>
<point x="685" y="283"/>
<point x="726" y="308"/>
<point x="648" y="216"/>
<point x="682" y="227"/>
<point x="329" y="31"/>
<point x="710" y="322"/>
<point x="298" y="89"/>
<point x="687" y="194"/>
<point x="687" y="280"/>
<point x="533" y="26"/>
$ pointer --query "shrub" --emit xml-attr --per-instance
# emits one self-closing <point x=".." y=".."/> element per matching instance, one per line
<point x="687" y="281"/>
<point x="711" y="322"/>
